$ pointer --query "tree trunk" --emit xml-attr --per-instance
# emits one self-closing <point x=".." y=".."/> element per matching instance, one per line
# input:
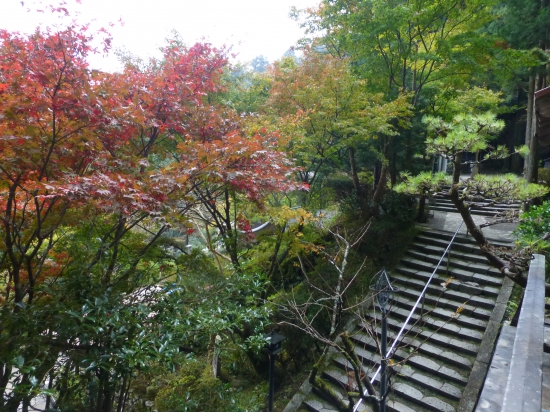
<point x="479" y="237"/>
<point x="475" y="231"/>
<point x="421" y="217"/>
<point x="381" y="186"/>
<point x="5" y="373"/>
<point x="380" y="189"/>
<point x="517" y="140"/>
<point x="529" y="126"/>
<point x="393" y="165"/>
<point x="531" y="170"/>
<point x="533" y="175"/>
<point x="363" y="202"/>
<point x="409" y="150"/>
<point x="274" y="261"/>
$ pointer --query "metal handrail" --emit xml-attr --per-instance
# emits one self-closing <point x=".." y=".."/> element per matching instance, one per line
<point x="421" y="297"/>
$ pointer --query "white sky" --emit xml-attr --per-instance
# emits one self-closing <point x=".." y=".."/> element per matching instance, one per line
<point x="253" y="27"/>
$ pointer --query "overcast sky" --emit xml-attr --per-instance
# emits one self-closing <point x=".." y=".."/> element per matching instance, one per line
<point x="253" y="27"/>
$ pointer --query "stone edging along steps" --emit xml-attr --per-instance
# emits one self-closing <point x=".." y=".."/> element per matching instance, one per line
<point x="442" y="361"/>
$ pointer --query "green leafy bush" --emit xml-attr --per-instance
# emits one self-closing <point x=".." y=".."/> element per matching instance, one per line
<point x="194" y="388"/>
<point x="544" y="176"/>
<point x="533" y="226"/>
<point x="399" y="206"/>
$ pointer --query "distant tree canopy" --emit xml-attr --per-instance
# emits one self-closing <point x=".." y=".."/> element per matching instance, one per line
<point x="259" y="64"/>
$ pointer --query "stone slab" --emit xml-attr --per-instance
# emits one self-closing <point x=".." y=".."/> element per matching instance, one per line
<point x="524" y="387"/>
<point x="448" y="221"/>
<point x="545" y="381"/>
<point x="487" y="345"/>
<point x="492" y="393"/>
<point x="479" y="371"/>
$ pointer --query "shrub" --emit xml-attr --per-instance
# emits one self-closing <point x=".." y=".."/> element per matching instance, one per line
<point x="533" y="225"/>
<point x="544" y="176"/>
<point x="399" y="206"/>
<point x="195" y="388"/>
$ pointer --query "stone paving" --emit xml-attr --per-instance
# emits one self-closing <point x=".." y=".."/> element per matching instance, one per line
<point x="516" y="378"/>
<point x="449" y="222"/>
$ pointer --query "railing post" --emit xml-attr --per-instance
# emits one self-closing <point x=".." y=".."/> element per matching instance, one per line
<point x="383" y="361"/>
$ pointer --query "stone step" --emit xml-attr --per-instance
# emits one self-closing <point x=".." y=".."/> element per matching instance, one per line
<point x="457" y="261"/>
<point x="435" y="386"/>
<point x="410" y="344"/>
<point x="447" y="327"/>
<point x="395" y="406"/>
<point x="477" y="206"/>
<point x="444" y="302"/>
<point x="406" y="374"/>
<point x="497" y="207"/>
<point x="472" y="286"/>
<point x="318" y="402"/>
<point x="415" y="361"/>
<point x="505" y="206"/>
<point x="458" y="315"/>
<point x="392" y="405"/>
<point x="453" y="295"/>
<point x="438" y="251"/>
<point x="432" y="240"/>
<point x="443" y="238"/>
<point x="414" y="395"/>
<point x="342" y="380"/>
<point x="460" y="239"/>
<point x="315" y="402"/>
<point x="413" y="330"/>
<point x="478" y="212"/>
<point x="466" y="275"/>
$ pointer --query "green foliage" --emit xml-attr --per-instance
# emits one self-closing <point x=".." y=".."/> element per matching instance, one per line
<point x="126" y="326"/>
<point x="118" y="335"/>
<point x="350" y="205"/>
<point x="399" y="206"/>
<point x="246" y="91"/>
<point x="544" y="176"/>
<point x="259" y="64"/>
<point x="194" y="388"/>
<point x="464" y="133"/>
<point x="223" y="307"/>
<point x="326" y="110"/>
<point x="450" y="102"/>
<point x="507" y="187"/>
<point x="522" y="23"/>
<point x="423" y="184"/>
<point x="402" y="45"/>
<point x="533" y="227"/>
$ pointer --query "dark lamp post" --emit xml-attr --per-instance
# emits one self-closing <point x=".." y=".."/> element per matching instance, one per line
<point x="384" y="291"/>
<point x="274" y="342"/>
<point x="274" y="346"/>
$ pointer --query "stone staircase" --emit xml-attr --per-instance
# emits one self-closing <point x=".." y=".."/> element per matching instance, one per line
<point x="434" y="360"/>
<point x="442" y="203"/>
